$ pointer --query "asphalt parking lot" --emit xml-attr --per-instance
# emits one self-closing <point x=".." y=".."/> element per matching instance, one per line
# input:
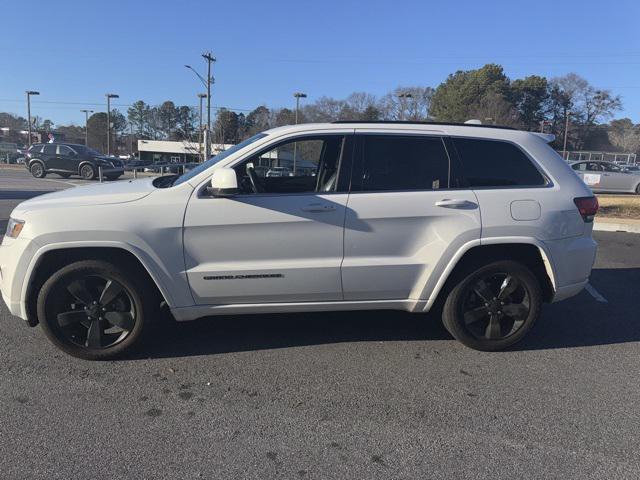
<point x="333" y="395"/>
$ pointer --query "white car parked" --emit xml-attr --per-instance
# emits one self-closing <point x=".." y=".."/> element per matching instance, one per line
<point x="481" y="223"/>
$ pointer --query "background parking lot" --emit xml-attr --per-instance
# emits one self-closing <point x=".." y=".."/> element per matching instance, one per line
<point x="333" y="395"/>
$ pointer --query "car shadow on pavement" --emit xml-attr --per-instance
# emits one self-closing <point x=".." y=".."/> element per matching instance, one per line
<point x="224" y="334"/>
<point x="577" y="322"/>
<point x="22" y="194"/>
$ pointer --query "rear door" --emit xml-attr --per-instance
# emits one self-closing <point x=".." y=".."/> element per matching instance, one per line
<point x="50" y="156"/>
<point x="405" y="217"/>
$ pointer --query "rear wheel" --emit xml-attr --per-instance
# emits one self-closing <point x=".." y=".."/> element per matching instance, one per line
<point x="37" y="170"/>
<point x="87" y="172"/>
<point x="494" y="306"/>
<point x="96" y="310"/>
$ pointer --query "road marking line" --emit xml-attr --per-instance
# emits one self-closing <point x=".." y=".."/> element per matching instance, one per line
<point x="595" y="294"/>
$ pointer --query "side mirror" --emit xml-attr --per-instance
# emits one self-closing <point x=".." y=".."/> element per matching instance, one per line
<point x="224" y="183"/>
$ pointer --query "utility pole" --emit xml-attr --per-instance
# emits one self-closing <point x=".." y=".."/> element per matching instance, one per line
<point x="29" y="93"/>
<point x="210" y="59"/>
<point x="86" y="126"/>
<point x="202" y="158"/>
<point x="298" y="96"/>
<point x="566" y="132"/>
<point x="109" y="97"/>
<point x="207" y="83"/>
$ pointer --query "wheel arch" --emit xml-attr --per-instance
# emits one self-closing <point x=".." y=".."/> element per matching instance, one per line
<point x="51" y="259"/>
<point x="527" y="251"/>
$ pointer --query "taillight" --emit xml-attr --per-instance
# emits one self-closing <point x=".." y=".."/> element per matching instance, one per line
<point x="587" y="206"/>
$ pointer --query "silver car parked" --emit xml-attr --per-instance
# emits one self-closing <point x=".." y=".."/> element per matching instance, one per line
<point x="607" y="177"/>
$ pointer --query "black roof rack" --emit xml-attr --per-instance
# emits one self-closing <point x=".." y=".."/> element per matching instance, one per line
<point x="408" y="122"/>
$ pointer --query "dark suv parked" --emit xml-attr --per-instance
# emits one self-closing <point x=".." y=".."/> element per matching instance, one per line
<point x="66" y="159"/>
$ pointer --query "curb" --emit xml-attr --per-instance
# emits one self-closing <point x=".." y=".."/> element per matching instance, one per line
<point x="616" y="227"/>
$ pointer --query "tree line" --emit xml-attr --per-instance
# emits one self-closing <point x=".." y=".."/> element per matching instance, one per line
<point x="532" y="103"/>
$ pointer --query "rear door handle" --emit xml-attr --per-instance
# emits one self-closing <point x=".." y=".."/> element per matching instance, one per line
<point x="318" y="208"/>
<point x="455" y="203"/>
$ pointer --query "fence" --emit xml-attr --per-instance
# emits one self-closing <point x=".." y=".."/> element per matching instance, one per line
<point x="615" y="157"/>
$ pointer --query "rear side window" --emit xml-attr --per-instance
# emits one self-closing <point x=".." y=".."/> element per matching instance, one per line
<point x="403" y="163"/>
<point x="490" y="163"/>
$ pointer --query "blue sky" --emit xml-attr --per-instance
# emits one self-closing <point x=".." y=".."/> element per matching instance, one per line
<point x="76" y="51"/>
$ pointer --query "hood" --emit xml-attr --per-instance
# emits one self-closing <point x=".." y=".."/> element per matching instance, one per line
<point x="107" y="193"/>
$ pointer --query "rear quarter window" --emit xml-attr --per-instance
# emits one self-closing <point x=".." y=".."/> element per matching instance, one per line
<point x="494" y="163"/>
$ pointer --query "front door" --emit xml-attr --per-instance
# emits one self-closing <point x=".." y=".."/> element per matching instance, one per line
<point x="402" y="219"/>
<point x="67" y="159"/>
<point x="281" y="238"/>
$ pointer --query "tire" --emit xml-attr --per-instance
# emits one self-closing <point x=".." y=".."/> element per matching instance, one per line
<point x="64" y="175"/>
<point x="37" y="170"/>
<point x="484" y="313"/>
<point x="87" y="172"/>
<point x="107" y="315"/>
<point x="638" y="189"/>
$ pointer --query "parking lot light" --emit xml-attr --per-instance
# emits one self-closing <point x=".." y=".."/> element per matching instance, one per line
<point x="109" y="97"/>
<point x="29" y="93"/>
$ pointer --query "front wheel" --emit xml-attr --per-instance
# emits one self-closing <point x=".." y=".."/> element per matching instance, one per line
<point x="95" y="310"/>
<point x="87" y="172"/>
<point x="494" y="306"/>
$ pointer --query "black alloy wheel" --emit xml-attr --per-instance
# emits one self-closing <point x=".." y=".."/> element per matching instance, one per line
<point x="94" y="310"/>
<point x="494" y="306"/>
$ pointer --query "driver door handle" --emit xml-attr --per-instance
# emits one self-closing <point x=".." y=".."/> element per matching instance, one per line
<point x="318" y="208"/>
<point x="455" y="203"/>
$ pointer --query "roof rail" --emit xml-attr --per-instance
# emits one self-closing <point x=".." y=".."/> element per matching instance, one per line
<point x="409" y="122"/>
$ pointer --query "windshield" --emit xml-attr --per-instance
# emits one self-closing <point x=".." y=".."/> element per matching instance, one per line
<point x="213" y="160"/>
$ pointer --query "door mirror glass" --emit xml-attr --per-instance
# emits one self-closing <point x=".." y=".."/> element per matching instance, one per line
<point x="224" y="183"/>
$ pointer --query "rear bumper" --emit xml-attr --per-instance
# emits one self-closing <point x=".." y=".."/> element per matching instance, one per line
<point x="568" y="291"/>
<point x="572" y="260"/>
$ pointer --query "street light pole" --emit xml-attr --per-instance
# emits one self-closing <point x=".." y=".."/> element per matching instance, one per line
<point x="298" y="96"/>
<point x="29" y="93"/>
<point x="402" y="104"/>
<point x="109" y="97"/>
<point x="86" y="126"/>
<point x="566" y="132"/>
<point x="201" y="96"/>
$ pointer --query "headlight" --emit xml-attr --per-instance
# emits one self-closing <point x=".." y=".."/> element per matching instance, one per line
<point x="14" y="227"/>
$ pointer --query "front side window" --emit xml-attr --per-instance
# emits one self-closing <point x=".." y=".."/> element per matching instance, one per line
<point x="64" y="150"/>
<point x="399" y="163"/>
<point x="49" y="149"/>
<point x="494" y="163"/>
<point x="307" y="164"/>
<point x="213" y="160"/>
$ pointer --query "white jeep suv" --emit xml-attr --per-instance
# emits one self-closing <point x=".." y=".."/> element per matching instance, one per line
<point x="482" y="224"/>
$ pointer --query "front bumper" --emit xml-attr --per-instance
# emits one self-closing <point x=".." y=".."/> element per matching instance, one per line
<point x="112" y="170"/>
<point x="15" y="257"/>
